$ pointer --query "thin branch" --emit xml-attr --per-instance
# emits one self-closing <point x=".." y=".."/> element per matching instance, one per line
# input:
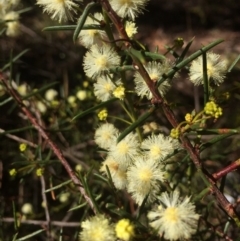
<point x="19" y="139"/>
<point x="51" y="144"/>
<point x="223" y="172"/>
<point x="116" y="20"/>
<point x="43" y="184"/>
<point x="69" y="152"/>
<point x="48" y="220"/>
<point x="43" y="222"/>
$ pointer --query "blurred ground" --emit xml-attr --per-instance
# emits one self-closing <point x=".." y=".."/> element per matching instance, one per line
<point x="203" y="20"/>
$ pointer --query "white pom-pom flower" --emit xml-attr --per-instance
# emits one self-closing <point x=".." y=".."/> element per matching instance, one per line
<point x="105" y="135"/>
<point x="175" y="219"/>
<point x="155" y="71"/>
<point x="60" y="10"/>
<point x="99" y="59"/>
<point x="216" y="69"/>
<point x="128" y="8"/>
<point x="144" y="178"/>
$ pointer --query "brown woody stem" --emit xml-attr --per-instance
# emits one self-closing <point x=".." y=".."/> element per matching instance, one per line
<point x="193" y="152"/>
<point x="233" y="166"/>
<point x="51" y="144"/>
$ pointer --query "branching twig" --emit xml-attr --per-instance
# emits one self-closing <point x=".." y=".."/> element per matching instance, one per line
<point x="43" y="222"/>
<point x="51" y="144"/>
<point x="193" y="152"/>
<point x="233" y="166"/>
<point x="19" y="139"/>
<point x="48" y="220"/>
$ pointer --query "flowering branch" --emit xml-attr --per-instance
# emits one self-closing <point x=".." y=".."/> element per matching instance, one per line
<point x="158" y="100"/>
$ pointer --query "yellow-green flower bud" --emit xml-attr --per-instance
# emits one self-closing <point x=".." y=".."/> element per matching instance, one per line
<point x="175" y="133"/>
<point x="213" y="109"/>
<point x="188" y="117"/>
<point x="102" y="115"/>
<point x="13" y="172"/>
<point x="22" y="147"/>
<point x="39" y="172"/>
<point x="124" y="229"/>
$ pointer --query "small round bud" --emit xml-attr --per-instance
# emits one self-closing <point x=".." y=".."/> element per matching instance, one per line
<point x="175" y="133"/>
<point x="27" y="208"/>
<point x="22" y="147"/>
<point x="102" y="115"/>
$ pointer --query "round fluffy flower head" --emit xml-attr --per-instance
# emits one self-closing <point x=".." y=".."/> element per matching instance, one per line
<point x="72" y="100"/>
<point x="81" y="94"/>
<point x="13" y="25"/>
<point x="41" y="107"/>
<point x="64" y="197"/>
<point x="22" y="89"/>
<point x="118" y="172"/>
<point x="105" y="135"/>
<point x="144" y="178"/>
<point x="103" y="88"/>
<point x="58" y="9"/>
<point x="150" y="127"/>
<point x="130" y="28"/>
<point x="124" y="229"/>
<point x="78" y="168"/>
<point x="27" y="208"/>
<point x="155" y="71"/>
<point x="159" y="146"/>
<point x="51" y="94"/>
<point x="6" y="5"/>
<point x="99" y="59"/>
<point x="175" y="219"/>
<point x="216" y="69"/>
<point x="88" y="37"/>
<point x="125" y="150"/>
<point x="97" y="228"/>
<point x="128" y="8"/>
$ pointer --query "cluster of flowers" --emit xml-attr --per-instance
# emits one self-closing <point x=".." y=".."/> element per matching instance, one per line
<point x="39" y="103"/>
<point x="10" y="17"/>
<point x="139" y="167"/>
<point x="63" y="10"/>
<point x="100" y="228"/>
<point x="50" y="97"/>
<point x="175" y="219"/>
<point x="134" y="165"/>
<point x="102" y="55"/>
